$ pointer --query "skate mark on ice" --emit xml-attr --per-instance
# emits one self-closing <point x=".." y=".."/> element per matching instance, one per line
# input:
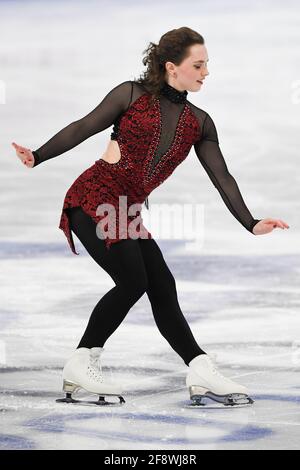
<point x="58" y="424"/>
<point x="15" y="442"/>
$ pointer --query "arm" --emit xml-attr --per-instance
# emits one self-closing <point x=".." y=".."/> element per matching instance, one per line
<point x="210" y="156"/>
<point x="111" y="107"/>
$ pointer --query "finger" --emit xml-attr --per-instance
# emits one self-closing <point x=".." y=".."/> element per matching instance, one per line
<point x="17" y="147"/>
<point x="280" y="224"/>
<point x="285" y="224"/>
<point x="272" y="222"/>
<point x="276" y="223"/>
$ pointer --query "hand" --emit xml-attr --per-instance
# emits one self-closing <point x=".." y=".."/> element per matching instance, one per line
<point x="268" y="225"/>
<point x="24" y="154"/>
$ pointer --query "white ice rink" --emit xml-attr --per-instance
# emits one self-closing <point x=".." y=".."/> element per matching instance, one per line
<point x="239" y="293"/>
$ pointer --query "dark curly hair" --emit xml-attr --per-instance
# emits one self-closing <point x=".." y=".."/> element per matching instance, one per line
<point x="173" y="46"/>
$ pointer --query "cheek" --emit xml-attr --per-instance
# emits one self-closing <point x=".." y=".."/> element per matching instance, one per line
<point x="189" y="74"/>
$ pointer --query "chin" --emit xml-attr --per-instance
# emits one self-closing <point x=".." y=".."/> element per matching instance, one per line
<point x="197" y="87"/>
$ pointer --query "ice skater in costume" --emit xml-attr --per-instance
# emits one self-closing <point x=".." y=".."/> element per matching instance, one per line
<point x="155" y="127"/>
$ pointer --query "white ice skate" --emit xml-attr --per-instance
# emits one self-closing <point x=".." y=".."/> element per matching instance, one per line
<point x="205" y="381"/>
<point x="83" y="371"/>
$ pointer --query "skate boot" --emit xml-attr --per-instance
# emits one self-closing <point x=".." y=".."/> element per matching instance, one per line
<point x="83" y="371"/>
<point x="206" y="382"/>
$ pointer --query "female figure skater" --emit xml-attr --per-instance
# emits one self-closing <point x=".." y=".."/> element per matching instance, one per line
<point x="155" y="127"/>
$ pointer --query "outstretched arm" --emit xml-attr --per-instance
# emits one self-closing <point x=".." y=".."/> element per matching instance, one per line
<point x="104" y="115"/>
<point x="210" y="156"/>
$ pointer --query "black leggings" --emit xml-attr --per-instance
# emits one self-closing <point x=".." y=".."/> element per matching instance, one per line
<point x="136" y="266"/>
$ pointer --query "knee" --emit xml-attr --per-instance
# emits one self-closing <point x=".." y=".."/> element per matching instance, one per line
<point x="135" y="287"/>
<point x="170" y="282"/>
<point x="162" y="289"/>
<point x="165" y="283"/>
<point x="139" y="286"/>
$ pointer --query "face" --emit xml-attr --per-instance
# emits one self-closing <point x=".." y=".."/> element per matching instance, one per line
<point x="190" y="72"/>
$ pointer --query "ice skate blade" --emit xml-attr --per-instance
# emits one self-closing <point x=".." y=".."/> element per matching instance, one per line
<point x="101" y="401"/>
<point x="200" y="397"/>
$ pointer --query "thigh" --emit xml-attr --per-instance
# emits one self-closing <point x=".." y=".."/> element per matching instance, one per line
<point x="123" y="261"/>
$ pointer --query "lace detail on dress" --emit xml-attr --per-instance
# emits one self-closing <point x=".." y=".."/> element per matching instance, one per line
<point x="104" y="182"/>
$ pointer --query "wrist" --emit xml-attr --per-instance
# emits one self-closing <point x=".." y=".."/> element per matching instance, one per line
<point x="255" y="221"/>
<point x="36" y="158"/>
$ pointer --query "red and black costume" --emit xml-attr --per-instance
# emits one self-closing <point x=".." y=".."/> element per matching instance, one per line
<point x="153" y="141"/>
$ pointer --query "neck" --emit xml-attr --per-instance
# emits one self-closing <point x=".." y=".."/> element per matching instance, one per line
<point x="173" y="84"/>
<point x="173" y="94"/>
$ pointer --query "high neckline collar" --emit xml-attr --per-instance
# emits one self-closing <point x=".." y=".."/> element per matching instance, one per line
<point x="172" y="94"/>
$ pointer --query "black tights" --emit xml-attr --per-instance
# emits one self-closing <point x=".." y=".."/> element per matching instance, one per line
<point x="136" y="267"/>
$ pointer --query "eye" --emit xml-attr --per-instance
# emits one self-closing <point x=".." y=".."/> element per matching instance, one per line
<point x="197" y="67"/>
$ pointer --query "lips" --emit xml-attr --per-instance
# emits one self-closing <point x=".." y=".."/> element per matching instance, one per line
<point x="200" y="81"/>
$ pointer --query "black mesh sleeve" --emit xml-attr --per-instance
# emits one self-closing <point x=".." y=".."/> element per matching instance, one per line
<point x="103" y="116"/>
<point x="209" y="154"/>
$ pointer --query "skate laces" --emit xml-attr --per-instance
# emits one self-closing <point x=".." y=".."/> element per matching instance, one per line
<point x="216" y="372"/>
<point x="94" y="367"/>
<point x="95" y="362"/>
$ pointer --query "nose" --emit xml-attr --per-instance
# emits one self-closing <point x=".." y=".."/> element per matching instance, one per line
<point x="204" y="75"/>
<point x="206" y="72"/>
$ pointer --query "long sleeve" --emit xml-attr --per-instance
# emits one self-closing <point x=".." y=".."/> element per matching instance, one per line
<point x="103" y="116"/>
<point x="209" y="154"/>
